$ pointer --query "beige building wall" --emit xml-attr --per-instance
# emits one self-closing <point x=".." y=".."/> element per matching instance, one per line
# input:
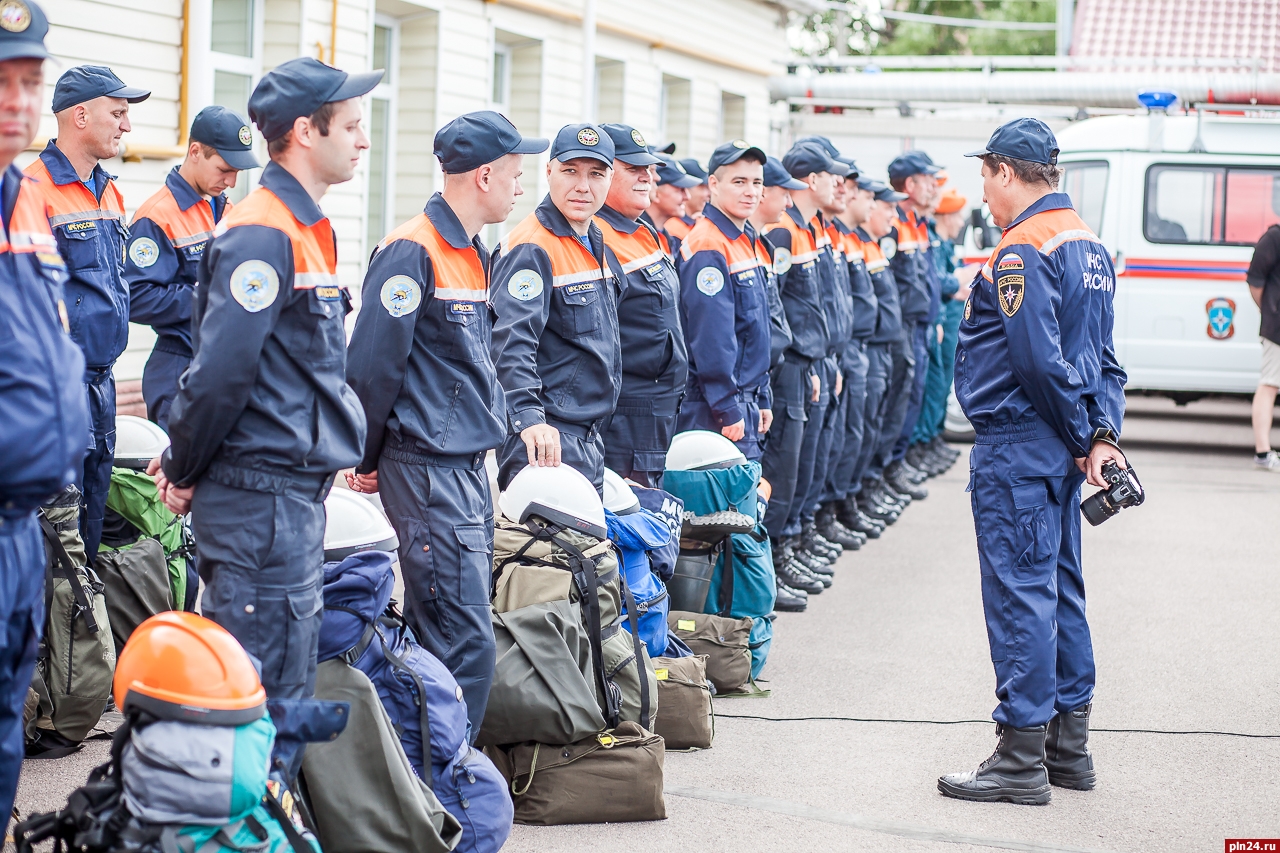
<point x="671" y="85"/>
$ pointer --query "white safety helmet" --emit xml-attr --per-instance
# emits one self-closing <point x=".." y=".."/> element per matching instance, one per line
<point x="138" y="441"/>
<point x="561" y="495"/>
<point x="700" y="449"/>
<point x="618" y="497"/>
<point x="354" y="523"/>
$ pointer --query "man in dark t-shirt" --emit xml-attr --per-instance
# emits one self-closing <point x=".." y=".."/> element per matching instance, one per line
<point x="1264" y="287"/>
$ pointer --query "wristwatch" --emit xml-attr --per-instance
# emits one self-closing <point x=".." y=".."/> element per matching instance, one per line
<point x="1105" y="435"/>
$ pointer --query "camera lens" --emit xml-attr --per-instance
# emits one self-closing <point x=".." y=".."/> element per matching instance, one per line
<point x="1098" y="508"/>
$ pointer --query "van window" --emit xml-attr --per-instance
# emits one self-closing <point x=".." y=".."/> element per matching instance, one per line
<point x="1086" y="183"/>
<point x="1210" y="204"/>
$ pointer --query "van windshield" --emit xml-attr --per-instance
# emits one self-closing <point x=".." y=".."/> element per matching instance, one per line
<point x="1086" y="183"/>
<point x="1210" y="204"/>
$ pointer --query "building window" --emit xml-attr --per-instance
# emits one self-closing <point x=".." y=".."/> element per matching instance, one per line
<point x="235" y="54"/>
<point x="733" y="117"/>
<point x="500" y="96"/>
<point x="233" y="27"/>
<point x="677" y="106"/>
<point x="380" y="201"/>
<point x="609" y="90"/>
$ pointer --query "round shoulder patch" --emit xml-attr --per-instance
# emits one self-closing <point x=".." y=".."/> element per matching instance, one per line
<point x="400" y="295"/>
<point x="15" y="16"/>
<point x="889" y="246"/>
<point x="525" y="285"/>
<point x="638" y="138"/>
<point x="781" y="261"/>
<point x="144" y="252"/>
<point x="587" y="136"/>
<point x="255" y="285"/>
<point x="710" y="281"/>
<point x="245" y="135"/>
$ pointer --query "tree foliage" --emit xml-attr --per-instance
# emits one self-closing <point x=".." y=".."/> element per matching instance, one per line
<point x="859" y="29"/>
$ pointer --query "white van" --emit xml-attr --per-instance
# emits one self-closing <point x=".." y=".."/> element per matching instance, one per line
<point x="1179" y="201"/>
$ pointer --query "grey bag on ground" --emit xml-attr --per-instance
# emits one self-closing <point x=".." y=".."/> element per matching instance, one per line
<point x="548" y="686"/>
<point x="77" y="655"/>
<point x="725" y="642"/>
<point x="137" y="585"/>
<point x="611" y="777"/>
<point x="686" y="719"/>
<point x="363" y="792"/>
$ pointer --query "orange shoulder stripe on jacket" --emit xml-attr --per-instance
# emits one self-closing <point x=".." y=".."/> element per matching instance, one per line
<point x="459" y="273"/>
<point x="635" y="250"/>
<point x="570" y="261"/>
<point x="1045" y="231"/>
<point x="182" y="227"/>
<point x="315" y="259"/>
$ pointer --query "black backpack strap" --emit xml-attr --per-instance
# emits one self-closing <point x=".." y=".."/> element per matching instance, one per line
<point x="633" y="620"/>
<point x="357" y="651"/>
<point x="68" y="571"/>
<point x="584" y="575"/>
<point x="401" y="665"/>
<point x="726" y="577"/>
<point x="296" y="841"/>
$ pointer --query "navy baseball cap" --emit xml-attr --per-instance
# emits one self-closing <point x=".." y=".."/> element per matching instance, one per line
<point x="583" y="140"/>
<point x="1023" y="139"/>
<point x="775" y="175"/>
<point x="474" y="139"/>
<point x="629" y="145"/>
<point x="86" y="82"/>
<point x="911" y="163"/>
<point x="226" y="132"/>
<point x="884" y="192"/>
<point x="693" y="167"/>
<point x="670" y="172"/>
<point x="299" y="87"/>
<point x="732" y="152"/>
<point x="806" y="158"/>
<point x="23" y="27"/>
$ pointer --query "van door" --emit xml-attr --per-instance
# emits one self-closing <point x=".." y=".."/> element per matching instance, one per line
<point x="1190" y="322"/>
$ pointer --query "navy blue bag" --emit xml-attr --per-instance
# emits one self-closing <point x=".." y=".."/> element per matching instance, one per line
<point x="362" y="626"/>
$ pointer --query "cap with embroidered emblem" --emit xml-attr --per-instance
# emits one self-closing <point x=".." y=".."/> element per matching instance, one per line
<point x="1022" y="139"/>
<point x="474" y="139"/>
<point x="297" y="88"/>
<point x="226" y="132"/>
<point x="23" y="26"/>
<point x="629" y="146"/>
<point x="582" y="140"/>
<point x="86" y="82"/>
<point x="732" y="152"/>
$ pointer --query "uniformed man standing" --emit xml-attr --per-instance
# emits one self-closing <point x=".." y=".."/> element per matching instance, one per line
<point x="167" y="239"/>
<point x="44" y="417"/>
<point x="655" y="363"/>
<point x="1037" y="376"/>
<point x="91" y="105"/>
<point x="555" y="342"/>
<point x="724" y="307"/>
<point x="264" y="417"/>
<point x="419" y="361"/>
<point x="670" y="197"/>
<point x="678" y="227"/>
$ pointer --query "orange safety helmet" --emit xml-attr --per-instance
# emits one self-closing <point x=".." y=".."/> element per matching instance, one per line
<point x="180" y="666"/>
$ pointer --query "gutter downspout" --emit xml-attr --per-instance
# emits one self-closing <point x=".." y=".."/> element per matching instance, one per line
<point x="333" y="35"/>
<point x="588" y="60"/>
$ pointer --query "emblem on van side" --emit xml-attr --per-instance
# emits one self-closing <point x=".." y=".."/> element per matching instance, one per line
<point x="1222" y="318"/>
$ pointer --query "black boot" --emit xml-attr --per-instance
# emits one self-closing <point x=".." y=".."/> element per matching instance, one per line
<point x="811" y="564"/>
<point x="833" y="531"/>
<point x="791" y="573"/>
<point x="1015" y="772"/>
<point x="816" y="543"/>
<point x="1066" y="747"/>
<point x="856" y="520"/>
<point x="788" y="600"/>
<point x="899" y="480"/>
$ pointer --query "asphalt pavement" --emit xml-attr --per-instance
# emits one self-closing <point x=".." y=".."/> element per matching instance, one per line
<point x="892" y="661"/>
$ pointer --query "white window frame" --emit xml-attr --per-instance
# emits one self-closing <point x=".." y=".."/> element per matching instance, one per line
<point x="500" y="78"/>
<point x="387" y="90"/>
<point x="249" y="66"/>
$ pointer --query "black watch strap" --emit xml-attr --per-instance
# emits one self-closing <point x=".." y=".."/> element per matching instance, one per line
<point x="1105" y="435"/>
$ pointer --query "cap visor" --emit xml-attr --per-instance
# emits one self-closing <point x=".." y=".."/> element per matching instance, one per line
<point x="640" y="158"/>
<point x="239" y="159"/>
<point x="356" y="85"/>
<point x="684" y="182"/>
<point x="575" y="153"/>
<point x="19" y="49"/>
<point x="130" y="94"/>
<point x="531" y="145"/>
<point x="981" y="152"/>
<point x="793" y="184"/>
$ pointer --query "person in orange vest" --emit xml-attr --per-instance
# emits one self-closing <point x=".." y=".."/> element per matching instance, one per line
<point x="679" y="226"/>
<point x="724" y="307"/>
<point x="264" y="417"/>
<point x="44" y="415"/>
<point x="167" y="239"/>
<point x="419" y="361"/>
<point x="555" y="291"/>
<point x="86" y="211"/>
<point x="655" y="363"/>
<point x="670" y="197"/>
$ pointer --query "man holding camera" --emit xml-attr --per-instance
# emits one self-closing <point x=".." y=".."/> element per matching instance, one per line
<point x="1037" y="376"/>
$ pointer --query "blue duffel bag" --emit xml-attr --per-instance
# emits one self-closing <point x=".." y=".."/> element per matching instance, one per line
<point x="362" y="626"/>
<point x="635" y="534"/>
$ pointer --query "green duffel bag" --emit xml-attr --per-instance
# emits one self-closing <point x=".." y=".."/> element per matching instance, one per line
<point x="610" y="777"/>
<point x="686" y="719"/>
<point x="532" y="569"/>
<point x="77" y="658"/>
<point x="725" y="642"/>
<point x="137" y="584"/>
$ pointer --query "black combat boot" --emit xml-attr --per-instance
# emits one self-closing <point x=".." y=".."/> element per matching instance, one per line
<point x="855" y="520"/>
<point x="789" y="572"/>
<point x="810" y="563"/>
<point x="816" y="543"/>
<point x="898" y="479"/>
<point x="1015" y="772"/>
<point x="1066" y="749"/>
<point x="833" y="531"/>
<point x="788" y="600"/>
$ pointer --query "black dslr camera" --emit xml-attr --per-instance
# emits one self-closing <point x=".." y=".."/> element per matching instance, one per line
<point x="1124" y="491"/>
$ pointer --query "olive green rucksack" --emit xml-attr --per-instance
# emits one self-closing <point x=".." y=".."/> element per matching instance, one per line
<point x="77" y="657"/>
